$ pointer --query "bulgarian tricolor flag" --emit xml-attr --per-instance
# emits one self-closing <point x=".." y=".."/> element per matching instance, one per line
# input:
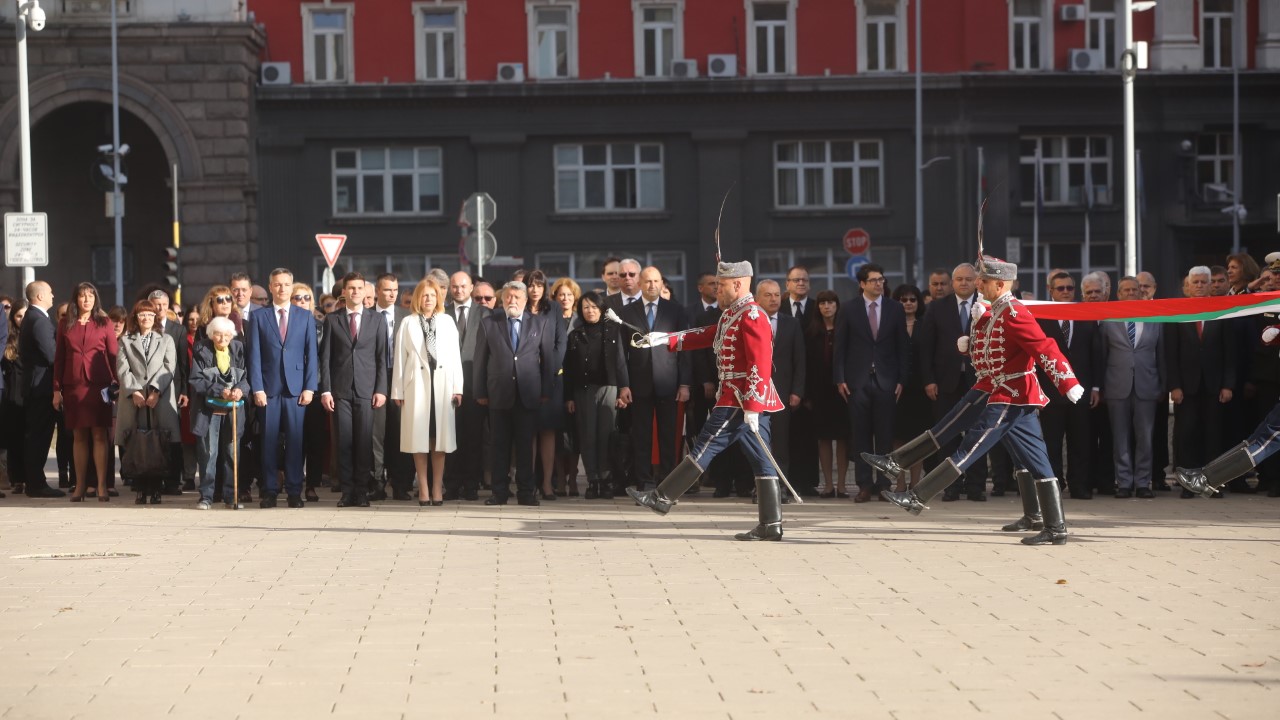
<point x="1171" y="310"/>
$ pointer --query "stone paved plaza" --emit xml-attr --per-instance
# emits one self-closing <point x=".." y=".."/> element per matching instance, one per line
<point x="1155" y="609"/>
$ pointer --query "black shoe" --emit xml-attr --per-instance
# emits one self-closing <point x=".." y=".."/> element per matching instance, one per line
<point x="44" y="491"/>
<point x="997" y="492"/>
<point x="1160" y="486"/>
<point x="977" y="497"/>
<point x="529" y="500"/>
<point x="948" y="496"/>
<point x="1124" y="494"/>
<point x="771" y="532"/>
<point x="593" y="491"/>
<point x="1186" y="494"/>
<point x="1082" y="495"/>
<point x="295" y="501"/>
<point x="495" y="500"/>
<point x="141" y="499"/>
<point x="188" y="485"/>
<point x="437" y="503"/>
<point x="378" y="495"/>
<point x="155" y="498"/>
<point x="1145" y="493"/>
<point x="451" y="495"/>
<point x="472" y="496"/>
<point x="268" y="501"/>
<point x="173" y="490"/>
<point x="312" y="496"/>
<point x="547" y="495"/>
<point x="112" y="492"/>
<point x="400" y="495"/>
<point x="720" y="493"/>
<point x="246" y="496"/>
<point x="606" y="491"/>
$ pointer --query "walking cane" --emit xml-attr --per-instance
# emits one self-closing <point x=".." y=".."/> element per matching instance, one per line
<point x="235" y="461"/>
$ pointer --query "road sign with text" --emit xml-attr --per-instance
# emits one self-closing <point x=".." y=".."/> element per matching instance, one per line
<point x="26" y="239"/>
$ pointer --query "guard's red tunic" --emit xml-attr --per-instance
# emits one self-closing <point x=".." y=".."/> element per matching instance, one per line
<point x="1006" y="346"/>
<point x="743" y="343"/>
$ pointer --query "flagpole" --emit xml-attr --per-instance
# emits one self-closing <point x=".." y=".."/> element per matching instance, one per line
<point x="1142" y="207"/>
<point x="982" y="191"/>
<point x="1088" y="207"/>
<point x="1035" y="225"/>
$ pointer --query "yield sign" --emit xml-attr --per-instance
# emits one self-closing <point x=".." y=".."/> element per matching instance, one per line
<point x="331" y="247"/>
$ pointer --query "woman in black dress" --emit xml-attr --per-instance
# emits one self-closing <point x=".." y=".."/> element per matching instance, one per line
<point x="914" y="413"/>
<point x="830" y="411"/>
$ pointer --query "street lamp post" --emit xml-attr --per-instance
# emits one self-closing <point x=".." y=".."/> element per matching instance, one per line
<point x="919" y="279"/>
<point x="30" y="14"/>
<point x="116" y="200"/>
<point x="1129" y="66"/>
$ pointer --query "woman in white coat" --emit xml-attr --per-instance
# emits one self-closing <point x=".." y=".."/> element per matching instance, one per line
<point x="426" y="382"/>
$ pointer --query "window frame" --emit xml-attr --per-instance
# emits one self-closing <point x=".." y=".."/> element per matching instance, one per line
<point x="609" y="168"/>
<point x="900" y="39"/>
<point x="893" y="258"/>
<point x="377" y="263"/>
<point x="387" y="173"/>
<point x="571" y="37"/>
<point x="640" y="25"/>
<point x="789" y="32"/>
<point x="1045" y="31"/>
<point x="1231" y="17"/>
<point x="828" y="167"/>
<point x="1061" y="164"/>
<point x="459" y="10"/>
<point x="1223" y="165"/>
<point x="1110" y="60"/>
<point x="308" y="11"/>
<point x="575" y="260"/>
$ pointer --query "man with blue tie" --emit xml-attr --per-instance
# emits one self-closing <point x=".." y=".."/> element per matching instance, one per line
<point x="283" y="375"/>
<point x="514" y="366"/>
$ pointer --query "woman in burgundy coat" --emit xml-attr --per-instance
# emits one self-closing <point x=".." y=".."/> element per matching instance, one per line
<point x="83" y="366"/>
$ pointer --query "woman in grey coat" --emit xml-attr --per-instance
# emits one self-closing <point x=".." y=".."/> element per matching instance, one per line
<point x="219" y="380"/>
<point x="146" y="366"/>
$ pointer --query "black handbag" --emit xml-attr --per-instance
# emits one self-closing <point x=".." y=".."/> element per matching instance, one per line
<point x="145" y="452"/>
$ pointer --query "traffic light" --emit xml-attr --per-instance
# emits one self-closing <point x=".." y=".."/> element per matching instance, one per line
<point x="172" y="267"/>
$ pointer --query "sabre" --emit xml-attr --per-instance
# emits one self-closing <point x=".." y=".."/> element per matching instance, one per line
<point x="781" y="476"/>
<point x="612" y="316"/>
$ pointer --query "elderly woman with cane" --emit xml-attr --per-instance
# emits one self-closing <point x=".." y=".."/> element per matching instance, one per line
<point x="219" y="381"/>
<point x="146" y="366"/>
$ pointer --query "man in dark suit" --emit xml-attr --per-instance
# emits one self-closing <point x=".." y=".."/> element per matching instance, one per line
<point x="871" y="357"/>
<point x="514" y="362"/>
<point x="389" y="464"/>
<point x="799" y="304"/>
<point x="628" y="286"/>
<point x="1062" y="419"/>
<point x="788" y="369"/>
<point x="353" y="385"/>
<point x="283" y="375"/>
<point x="173" y="483"/>
<point x="462" y="471"/>
<point x="660" y="380"/>
<point x="705" y="312"/>
<point x="36" y="347"/>
<point x="1201" y="362"/>
<point x="947" y="375"/>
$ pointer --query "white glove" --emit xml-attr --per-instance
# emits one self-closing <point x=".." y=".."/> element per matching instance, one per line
<point x="653" y="339"/>
<point x="962" y="343"/>
<point x="1075" y="393"/>
<point x="752" y="419"/>
<point x="1270" y="334"/>
<point x="977" y="310"/>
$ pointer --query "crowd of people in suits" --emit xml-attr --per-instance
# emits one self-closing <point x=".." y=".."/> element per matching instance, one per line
<point x="465" y="384"/>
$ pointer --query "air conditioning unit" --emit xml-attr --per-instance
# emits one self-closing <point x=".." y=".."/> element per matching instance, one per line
<point x="1072" y="13"/>
<point x="684" y="69"/>
<point x="1083" y="60"/>
<point x="1215" y="193"/>
<point x="276" y="73"/>
<point x="511" y="72"/>
<point x="722" y="65"/>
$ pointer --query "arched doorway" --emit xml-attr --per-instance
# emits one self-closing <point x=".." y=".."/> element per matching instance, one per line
<point x="81" y="235"/>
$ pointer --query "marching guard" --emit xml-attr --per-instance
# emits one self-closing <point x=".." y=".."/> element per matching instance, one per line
<point x="1006" y="346"/>
<point x="743" y="345"/>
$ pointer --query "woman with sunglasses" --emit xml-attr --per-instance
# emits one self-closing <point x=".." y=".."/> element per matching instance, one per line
<point x="315" y="420"/>
<point x="914" y="413"/>
<point x="146" y="367"/>
<point x="219" y="302"/>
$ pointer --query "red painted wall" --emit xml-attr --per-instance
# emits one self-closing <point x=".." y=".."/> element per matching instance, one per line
<point x="959" y="36"/>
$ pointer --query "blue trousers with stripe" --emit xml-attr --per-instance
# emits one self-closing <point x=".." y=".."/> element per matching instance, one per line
<point x="1019" y="427"/>
<point x="725" y="426"/>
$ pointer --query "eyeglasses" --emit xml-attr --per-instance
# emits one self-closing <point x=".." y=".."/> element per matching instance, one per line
<point x="302" y="298"/>
<point x="142" y="315"/>
<point x="1064" y="288"/>
<point x="910" y="299"/>
<point x="222" y="299"/>
<point x="484" y="298"/>
<point x="630" y="274"/>
<point x="259" y="298"/>
<point x="798" y="280"/>
<point x="876" y="280"/>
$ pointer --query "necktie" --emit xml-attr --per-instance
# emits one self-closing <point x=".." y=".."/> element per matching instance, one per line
<point x="796" y="309"/>
<point x="965" y="318"/>
<point x="1132" y="329"/>
<point x="875" y="321"/>
<point x="1199" y="329"/>
<point x="1066" y="332"/>
<point x="391" y="337"/>
<point x="429" y="332"/>
<point x="773" y="324"/>
<point x="351" y="317"/>
<point x="630" y="300"/>
<point x="284" y="324"/>
<point x="515" y="334"/>
<point x="648" y="311"/>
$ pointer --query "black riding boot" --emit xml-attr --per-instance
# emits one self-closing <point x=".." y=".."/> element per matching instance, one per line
<point x="913" y="500"/>
<point x="896" y="464"/>
<point x="1055" y="524"/>
<point x="1226" y="467"/>
<point x="673" y="486"/>
<point x="769" y="504"/>
<point x="1031" y="519"/>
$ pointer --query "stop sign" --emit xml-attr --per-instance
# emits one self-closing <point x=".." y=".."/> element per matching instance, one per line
<point x="857" y="241"/>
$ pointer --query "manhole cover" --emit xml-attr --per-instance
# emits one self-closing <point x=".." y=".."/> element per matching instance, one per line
<point x="75" y="556"/>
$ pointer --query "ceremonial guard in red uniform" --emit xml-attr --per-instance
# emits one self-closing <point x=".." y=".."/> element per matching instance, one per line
<point x="1262" y="444"/>
<point x="1006" y="346"/>
<point x="743" y="346"/>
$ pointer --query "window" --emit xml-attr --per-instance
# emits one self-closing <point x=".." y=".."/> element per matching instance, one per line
<point x="1028" y="42"/>
<point x="440" y="33"/>
<point x="1216" y="26"/>
<point x="387" y="181"/>
<point x="1215" y="165"/>
<point x="881" y="35"/>
<point x="1069" y="167"/>
<point x="586" y="266"/>
<point x="1102" y="30"/>
<point x="410" y="269"/>
<point x="613" y="176"/>
<point x="828" y="267"/>
<point x="771" y="38"/>
<point x="1103" y="256"/>
<point x="327" y="32"/>
<point x="659" y="37"/>
<point x="829" y="174"/>
<point x="553" y="40"/>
